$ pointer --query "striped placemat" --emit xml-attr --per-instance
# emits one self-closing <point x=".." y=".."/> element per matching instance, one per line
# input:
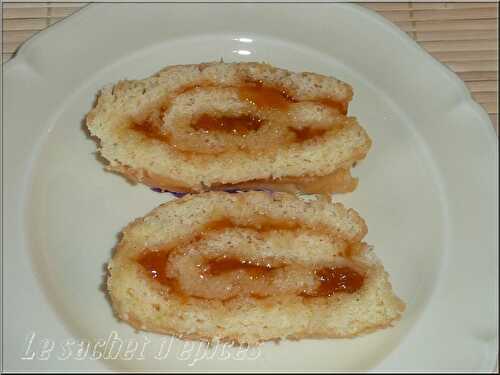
<point x="461" y="35"/>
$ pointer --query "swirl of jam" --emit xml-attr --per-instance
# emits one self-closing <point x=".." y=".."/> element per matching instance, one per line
<point x="188" y="269"/>
<point x="248" y="118"/>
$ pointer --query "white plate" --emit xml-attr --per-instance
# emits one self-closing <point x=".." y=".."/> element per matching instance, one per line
<point x="428" y="188"/>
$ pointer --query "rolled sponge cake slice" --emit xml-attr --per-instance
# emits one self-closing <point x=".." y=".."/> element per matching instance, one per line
<point x="250" y="267"/>
<point x="192" y="128"/>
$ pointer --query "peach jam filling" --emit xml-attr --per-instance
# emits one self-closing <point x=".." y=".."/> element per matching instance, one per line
<point x="263" y="97"/>
<point x="225" y="276"/>
<point x="337" y="279"/>
<point x="155" y="263"/>
<point x="304" y="134"/>
<point x="234" y="125"/>
<point x="219" y="266"/>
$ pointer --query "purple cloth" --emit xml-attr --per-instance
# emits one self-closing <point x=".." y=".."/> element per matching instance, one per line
<point x="178" y="194"/>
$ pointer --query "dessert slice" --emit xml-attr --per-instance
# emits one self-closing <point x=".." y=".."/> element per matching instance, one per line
<point x="192" y="128"/>
<point x="250" y="267"/>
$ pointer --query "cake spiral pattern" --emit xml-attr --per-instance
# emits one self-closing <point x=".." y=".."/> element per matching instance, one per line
<point x="193" y="128"/>
<point x="250" y="267"/>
